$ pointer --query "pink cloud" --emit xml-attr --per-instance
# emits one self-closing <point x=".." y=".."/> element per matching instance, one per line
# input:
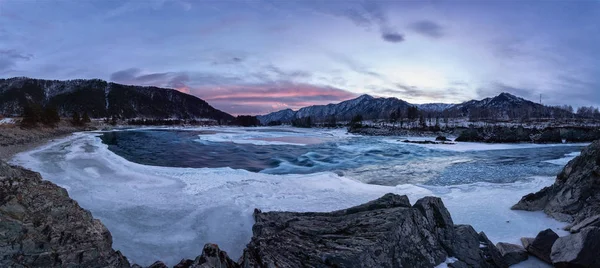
<point x="265" y="98"/>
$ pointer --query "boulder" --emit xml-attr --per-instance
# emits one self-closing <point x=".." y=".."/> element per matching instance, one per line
<point x="577" y="250"/>
<point x="441" y="138"/>
<point x="593" y="221"/>
<point x="541" y="246"/>
<point x="212" y="256"/>
<point x="526" y="241"/>
<point x="575" y="195"/>
<point x="40" y="226"/>
<point x="387" y="232"/>
<point x="511" y="253"/>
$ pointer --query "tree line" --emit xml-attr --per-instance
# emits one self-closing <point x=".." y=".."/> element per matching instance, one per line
<point x="34" y="115"/>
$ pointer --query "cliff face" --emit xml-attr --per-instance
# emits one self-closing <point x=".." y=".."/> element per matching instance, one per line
<point x="40" y="226"/>
<point x="575" y="195"/>
<point x="102" y="99"/>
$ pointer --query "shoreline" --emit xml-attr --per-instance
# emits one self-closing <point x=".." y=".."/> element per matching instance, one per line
<point x="15" y="140"/>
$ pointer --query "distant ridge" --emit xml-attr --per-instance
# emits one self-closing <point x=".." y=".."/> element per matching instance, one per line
<point x="101" y="99"/>
<point x="503" y="106"/>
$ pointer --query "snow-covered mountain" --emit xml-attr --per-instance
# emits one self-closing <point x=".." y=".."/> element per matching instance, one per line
<point x="366" y="106"/>
<point x="503" y="106"/>
<point x="434" y="107"/>
<point x="102" y="99"/>
<point x="280" y="116"/>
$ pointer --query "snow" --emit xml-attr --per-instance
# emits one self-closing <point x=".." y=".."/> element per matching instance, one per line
<point x="449" y="260"/>
<point x="7" y="121"/>
<point x="170" y="213"/>
<point x="476" y="146"/>
<point x="274" y="135"/>
<point x="565" y="160"/>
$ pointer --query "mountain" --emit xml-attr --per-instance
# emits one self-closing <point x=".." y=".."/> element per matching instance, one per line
<point x="366" y="106"/>
<point x="503" y="106"/>
<point x="280" y="116"/>
<point x="101" y="99"/>
<point x="434" y="107"/>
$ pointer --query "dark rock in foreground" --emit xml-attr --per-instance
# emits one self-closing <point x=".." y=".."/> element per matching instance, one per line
<point x="511" y="253"/>
<point x="578" y="250"/>
<point x="541" y="246"/>
<point x="40" y="226"/>
<point x="575" y="195"/>
<point x="387" y="232"/>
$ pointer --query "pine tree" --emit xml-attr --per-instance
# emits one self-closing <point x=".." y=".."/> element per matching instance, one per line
<point x="86" y="118"/>
<point x="50" y="117"/>
<point x="76" y="120"/>
<point x="31" y="115"/>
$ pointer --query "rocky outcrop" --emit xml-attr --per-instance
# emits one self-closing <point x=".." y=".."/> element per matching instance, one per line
<point x="575" y="195"/>
<point x="541" y="245"/>
<point x="511" y="253"/>
<point x="387" y="232"/>
<point x="577" y="250"/>
<point x="40" y="226"/>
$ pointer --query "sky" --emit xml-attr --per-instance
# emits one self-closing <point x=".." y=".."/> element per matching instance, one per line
<point x="255" y="57"/>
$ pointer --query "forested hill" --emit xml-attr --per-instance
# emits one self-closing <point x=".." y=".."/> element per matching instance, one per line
<point x="102" y="99"/>
<point x="505" y="106"/>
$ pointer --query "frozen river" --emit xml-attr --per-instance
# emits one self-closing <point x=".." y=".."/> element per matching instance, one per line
<point x="164" y="193"/>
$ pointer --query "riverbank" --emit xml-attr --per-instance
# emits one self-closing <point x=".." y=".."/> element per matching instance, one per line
<point x="492" y="134"/>
<point x="14" y="139"/>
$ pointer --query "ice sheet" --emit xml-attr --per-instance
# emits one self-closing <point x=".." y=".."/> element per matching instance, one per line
<point x="169" y="213"/>
<point x="272" y="135"/>
<point x="475" y="146"/>
<point x="564" y="160"/>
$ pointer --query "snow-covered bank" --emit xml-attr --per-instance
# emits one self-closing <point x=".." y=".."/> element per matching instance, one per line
<point x="169" y="213"/>
<point x="477" y="146"/>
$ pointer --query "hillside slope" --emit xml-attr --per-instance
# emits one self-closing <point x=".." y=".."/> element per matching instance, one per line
<point x="102" y="99"/>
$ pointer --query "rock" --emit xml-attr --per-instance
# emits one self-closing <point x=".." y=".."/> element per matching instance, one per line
<point x="386" y="232"/>
<point x="40" y="226"/>
<point x="541" y="246"/>
<point x="575" y="195"/>
<point x="212" y="256"/>
<point x="441" y="138"/>
<point x="577" y="250"/>
<point x="185" y="263"/>
<point x="158" y="264"/>
<point x="511" y="253"/>
<point x="593" y="221"/>
<point x="526" y="241"/>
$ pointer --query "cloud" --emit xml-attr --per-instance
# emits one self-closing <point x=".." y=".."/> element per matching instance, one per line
<point x="269" y="97"/>
<point x="10" y="57"/>
<point x="354" y="65"/>
<point x="411" y="93"/>
<point x="498" y="87"/>
<point x="427" y="28"/>
<point x="392" y="37"/>
<point x="287" y="75"/>
<point x="365" y="14"/>
<point x="275" y="91"/>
